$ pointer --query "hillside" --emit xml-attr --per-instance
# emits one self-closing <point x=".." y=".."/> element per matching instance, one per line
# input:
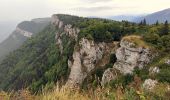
<point x="110" y="59"/>
<point x="23" y="31"/>
<point x="160" y="16"/>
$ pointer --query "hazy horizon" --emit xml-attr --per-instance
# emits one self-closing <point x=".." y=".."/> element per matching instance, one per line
<point x="15" y="11"/>
<point x="12" y="10"/>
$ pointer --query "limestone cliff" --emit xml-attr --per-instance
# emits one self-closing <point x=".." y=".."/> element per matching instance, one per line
<point x="67" y="29"/>
<point x="23" y="32"/>
<point x="87" y="58"/>
<point x="89" y="55"/>
<point x="129" y="56"/>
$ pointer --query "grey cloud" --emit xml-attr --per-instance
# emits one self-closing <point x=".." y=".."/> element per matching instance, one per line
<point x="95" y="1"/>
<point x="87" y="9"/>
<point x="101" y="8"/>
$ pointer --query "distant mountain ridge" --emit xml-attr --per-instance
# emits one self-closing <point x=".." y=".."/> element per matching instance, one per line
<point x="124" y="17"/>
<point x="161" y="16"/>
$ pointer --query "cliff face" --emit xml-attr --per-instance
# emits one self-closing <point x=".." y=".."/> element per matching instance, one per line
<point x="128" y="57"/>
<point x="67" y="30"/>
<point x="23" y="31"/>
<point x="87" y="56"/>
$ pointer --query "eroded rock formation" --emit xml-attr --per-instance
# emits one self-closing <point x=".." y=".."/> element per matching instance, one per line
<point x="88" y="58"/>
<point x="128" y="57"/>
<point x="67" y="29"/>
<point x="89" y="55"/>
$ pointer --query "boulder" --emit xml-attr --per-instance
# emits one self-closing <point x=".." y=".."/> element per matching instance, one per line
<point x="149" y="84"/>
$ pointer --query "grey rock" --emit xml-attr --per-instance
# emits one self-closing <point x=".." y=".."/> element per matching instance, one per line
<point x="154" y="70"/>
<point x="87" y="59"/>
<point x="168" y="61"/>
<point x="149" y="84"/>
<point x="108" y="75"/>
<point x="128" y="57"/>
<point x="67" y="30"/>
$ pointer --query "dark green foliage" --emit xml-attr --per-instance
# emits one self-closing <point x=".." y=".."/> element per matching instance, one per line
<point x="36" y="63"/>
<point x="99" y="30"/>
<point x="152" y="38"/>
<point x="165" y="42"/>
<point x="157" y="23"/>
<point x="164" y="74"/>
<point x="113" y="58"/>
<point x="165" y="29"/>
<point x="122" y="80"/>
<point x="39" y="62"/>
<point x="142" y="73"/>
<point x="143" y="22"/>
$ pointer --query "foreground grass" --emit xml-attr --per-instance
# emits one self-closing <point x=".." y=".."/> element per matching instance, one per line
<point x="161" y="92"/>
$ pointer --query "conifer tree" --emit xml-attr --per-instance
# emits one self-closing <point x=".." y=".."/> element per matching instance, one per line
<point x="157" y="23"/>
<point x="144" y="22"/>
<point x="166" y="28"/>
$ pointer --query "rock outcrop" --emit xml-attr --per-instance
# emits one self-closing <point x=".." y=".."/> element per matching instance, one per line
<point x="87" y="58"/>
<point x="87" y="55"/>
<point x="108" y="75"/>
<point x="23" y="32"/>
<point x="129" y="56"/>
<point x="67" y="29"/>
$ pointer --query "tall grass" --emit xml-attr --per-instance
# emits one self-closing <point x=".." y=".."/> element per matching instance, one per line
<point x="98" y="93"/>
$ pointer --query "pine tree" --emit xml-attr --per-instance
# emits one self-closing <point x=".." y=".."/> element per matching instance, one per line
<point x="144" y="22"/>
<point x="157" y="23"/>
<point x="141" y="23"/>
<point x="165" y="28"/>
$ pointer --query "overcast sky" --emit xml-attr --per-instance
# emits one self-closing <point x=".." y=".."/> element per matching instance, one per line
<point x="28" y="9"/>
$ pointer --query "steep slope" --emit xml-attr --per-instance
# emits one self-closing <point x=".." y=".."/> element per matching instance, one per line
<point x="43" y="59"/>
<point x="23" y="31"/>
<point x="38" y="62"/>
<point x="88" y="52"/>
<point x="161" y="16"/>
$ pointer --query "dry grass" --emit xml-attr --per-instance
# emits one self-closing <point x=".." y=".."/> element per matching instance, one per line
<point x="4" y="96"/>
<point x="137" y="40"/>
<point x="97" y="94"/>
<point x="68" y="94"/>
<point x="20" y="95"/>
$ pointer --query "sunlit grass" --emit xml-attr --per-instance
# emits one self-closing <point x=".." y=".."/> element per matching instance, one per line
<point x="137" y="40"/>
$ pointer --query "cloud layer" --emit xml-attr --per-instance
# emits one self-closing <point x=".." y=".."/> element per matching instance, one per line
<point x="28" y="9"/>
